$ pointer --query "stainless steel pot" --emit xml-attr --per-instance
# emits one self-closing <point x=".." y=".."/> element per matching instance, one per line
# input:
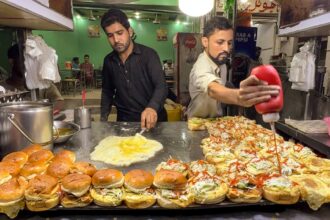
<point x="24" y="123"/>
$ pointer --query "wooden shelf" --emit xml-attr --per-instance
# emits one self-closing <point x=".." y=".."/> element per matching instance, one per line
<point x="32" y="15"/>
<point x="316" y="26"/>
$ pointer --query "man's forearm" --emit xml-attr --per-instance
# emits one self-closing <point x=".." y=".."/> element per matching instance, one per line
<point x="223" y="94"/>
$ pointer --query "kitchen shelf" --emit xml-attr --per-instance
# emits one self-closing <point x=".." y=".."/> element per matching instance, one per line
<point x="32" y="15"/>
<point x="311" y="27"/>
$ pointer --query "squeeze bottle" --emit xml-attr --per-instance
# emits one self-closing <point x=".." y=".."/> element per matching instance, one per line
<point x="269" y="109"/>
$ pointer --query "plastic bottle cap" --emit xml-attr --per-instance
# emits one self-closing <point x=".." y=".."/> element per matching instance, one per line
<point x="271" y="117"/>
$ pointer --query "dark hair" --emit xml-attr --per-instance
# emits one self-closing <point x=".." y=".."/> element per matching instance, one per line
<point x="220" y="23"/>
<point x="75" y="59"/>
<point x="112" y="16"/>
<point x="86" y="55"/>
<point x="13" y="52"/>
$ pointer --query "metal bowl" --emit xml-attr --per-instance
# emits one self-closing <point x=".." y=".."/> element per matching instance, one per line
<point x="70" y="130"/>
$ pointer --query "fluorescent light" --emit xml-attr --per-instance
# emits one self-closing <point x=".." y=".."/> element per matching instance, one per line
<point x="196" y="8"/>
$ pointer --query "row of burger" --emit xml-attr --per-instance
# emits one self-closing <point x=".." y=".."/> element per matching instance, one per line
<point x="37" y="179"/>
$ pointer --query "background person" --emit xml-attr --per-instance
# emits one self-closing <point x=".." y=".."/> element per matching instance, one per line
<point x="87" y="69"/>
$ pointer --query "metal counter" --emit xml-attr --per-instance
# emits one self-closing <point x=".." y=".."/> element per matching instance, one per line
<point x="179" y="143"/>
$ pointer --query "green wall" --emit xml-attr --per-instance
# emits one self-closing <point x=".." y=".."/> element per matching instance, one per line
<point x="77" y="43"/>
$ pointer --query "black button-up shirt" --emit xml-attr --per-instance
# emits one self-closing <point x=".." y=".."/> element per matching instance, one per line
<point x="134" y="85"/>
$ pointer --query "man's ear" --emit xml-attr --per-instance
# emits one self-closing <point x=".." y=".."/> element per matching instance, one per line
<point x="205" y="42"/>
<point x="130" y="31"/>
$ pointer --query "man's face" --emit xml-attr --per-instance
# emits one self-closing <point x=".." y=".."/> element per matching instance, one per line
<point x="119" y="37"/>
<point x="219" y="45"/>
<point x="86" y="59"/>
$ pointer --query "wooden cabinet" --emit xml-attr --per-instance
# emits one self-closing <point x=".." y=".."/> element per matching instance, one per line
<point x="30" y="14"/>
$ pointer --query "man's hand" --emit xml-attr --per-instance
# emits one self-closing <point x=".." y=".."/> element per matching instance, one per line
<point x="148" y="118"/>
<point x="253" y="91"/>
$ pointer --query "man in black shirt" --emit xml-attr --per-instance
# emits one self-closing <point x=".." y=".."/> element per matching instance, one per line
<point x="132" y="76"/>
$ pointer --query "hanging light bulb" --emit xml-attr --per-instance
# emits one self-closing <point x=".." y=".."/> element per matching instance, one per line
<point x="196" y="8"/>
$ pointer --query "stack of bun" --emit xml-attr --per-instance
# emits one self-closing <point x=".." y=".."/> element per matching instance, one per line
<point x="83" y="167"/>
<point x="138" y="191"/>
<point x="11" y="167"/>
<point x="75" y="188"/>
<point x="42" y="193"/>
<point x="107" y="187"/>
<point x="12" y="195"/>
<point x="172" y="189"/>
<point x="37" y="163"/>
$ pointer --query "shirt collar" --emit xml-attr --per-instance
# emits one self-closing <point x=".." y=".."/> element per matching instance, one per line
<point x="214" y="66"/>
<point x="136" y="50"/>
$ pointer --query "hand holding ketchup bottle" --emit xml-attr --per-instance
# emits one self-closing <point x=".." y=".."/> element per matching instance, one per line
<point x="271" y="108"/>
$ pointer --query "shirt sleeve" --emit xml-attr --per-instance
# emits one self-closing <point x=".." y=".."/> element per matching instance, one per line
<point x="202" y="75"/>
<point x="155" y="71"/>
<point x="107" y="91"/>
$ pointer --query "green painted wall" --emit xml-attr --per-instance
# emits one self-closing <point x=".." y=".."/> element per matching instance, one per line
<point x="6" y="38"/>
<point x="77" y="43"/>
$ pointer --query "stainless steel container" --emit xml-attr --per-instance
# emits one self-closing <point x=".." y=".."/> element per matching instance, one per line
<point x="83" y="117"/>
<point x="24" y="123"/>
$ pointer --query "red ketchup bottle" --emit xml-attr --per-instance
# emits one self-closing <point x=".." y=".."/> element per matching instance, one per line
<point x="269" y="109"/>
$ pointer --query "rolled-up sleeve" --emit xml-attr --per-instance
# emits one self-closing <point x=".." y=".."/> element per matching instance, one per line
<point x="201" y="76"/>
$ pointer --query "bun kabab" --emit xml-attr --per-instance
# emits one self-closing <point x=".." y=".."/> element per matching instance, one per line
<point x="174" y="164"/>
<point x="207" y="189"/>
<point x="75" y="188"/>
<point x="281" y="190"/>
<point x="11" y="167"/>
<point x="107" y="187"/>
<point x="172" y="189"/>
<point x="312" y="189"/>
<point x="18" y="157"/>
<point x="32" y="148"/>
<point x="65" y="155"/>
<point x="12" y="196"/>
<point x="83" y="167"/>
<point x="41" y="156"/>
<point x="59" y="168"/>
<point x="30" y="170"/>
<point x="200" y="166"/>
<point x="42" y="193"/>
<point x="244" y="189"/>
<point x="138" y="191"/>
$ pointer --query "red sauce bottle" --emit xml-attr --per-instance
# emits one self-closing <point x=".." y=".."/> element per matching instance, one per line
<point x="270" y="109"/>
